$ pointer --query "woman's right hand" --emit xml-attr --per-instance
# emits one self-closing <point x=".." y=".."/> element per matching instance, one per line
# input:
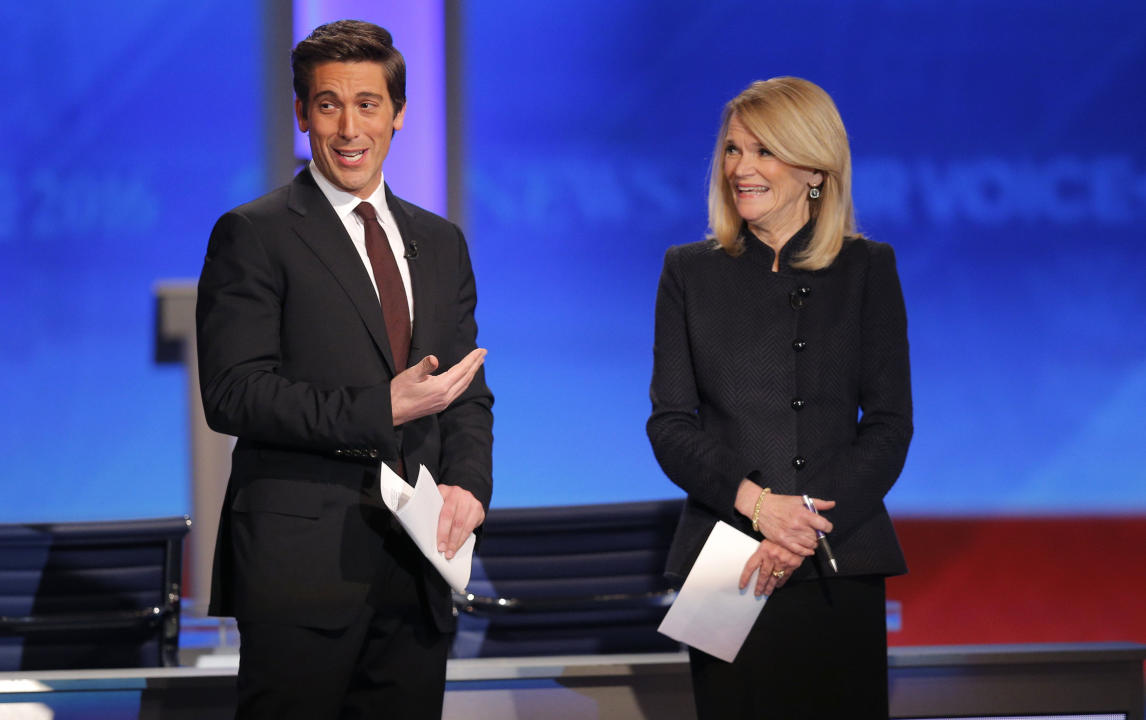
<point x="773" y="566"/>
<point x="783" y="519"/>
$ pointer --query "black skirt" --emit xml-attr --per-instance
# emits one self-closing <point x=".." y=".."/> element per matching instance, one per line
<point x="818" y="650"/>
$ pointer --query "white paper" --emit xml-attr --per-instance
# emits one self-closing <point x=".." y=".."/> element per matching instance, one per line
<point x="711" y="612"/>
<point x="417" y="509"/>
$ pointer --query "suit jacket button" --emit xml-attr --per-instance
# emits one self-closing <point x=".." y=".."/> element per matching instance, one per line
<point x="798" y="345"/>
<point x="799" y="462"/>
<point x="339" y="452"/>
<point x="798" y="404"/>
<point x="373" y="453"/>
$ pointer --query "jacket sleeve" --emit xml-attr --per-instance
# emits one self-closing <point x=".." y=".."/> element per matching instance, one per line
<point x="467" y="424"/>
<point x="858" y="475"/>
<point x="238" y="317"/>
<point x="708" y="470"/>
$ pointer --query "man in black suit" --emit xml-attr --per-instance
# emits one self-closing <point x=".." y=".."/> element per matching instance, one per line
<point x="320" y="325"/>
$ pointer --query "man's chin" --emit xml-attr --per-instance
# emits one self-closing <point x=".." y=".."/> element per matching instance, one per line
<point x="358" y="183"/>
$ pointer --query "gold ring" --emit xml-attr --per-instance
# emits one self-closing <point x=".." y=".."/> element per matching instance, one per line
<point x="777" y="574"/>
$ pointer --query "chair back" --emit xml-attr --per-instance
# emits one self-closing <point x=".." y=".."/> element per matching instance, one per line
<point x="569" y="580"/>
<point x="90" y="594"/>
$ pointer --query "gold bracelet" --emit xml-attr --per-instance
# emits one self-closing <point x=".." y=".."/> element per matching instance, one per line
<point x="756" y="510"/>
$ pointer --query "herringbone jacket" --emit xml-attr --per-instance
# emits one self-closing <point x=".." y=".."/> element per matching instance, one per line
<point x="763" y="374"/>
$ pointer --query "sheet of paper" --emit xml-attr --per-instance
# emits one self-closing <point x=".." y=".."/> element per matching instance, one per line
<point x="417" y="509"/>
<point x="711" y="613"/>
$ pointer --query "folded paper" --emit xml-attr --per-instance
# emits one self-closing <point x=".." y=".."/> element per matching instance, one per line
<point x="711" y="613"/>
<point x="417" y="509"/>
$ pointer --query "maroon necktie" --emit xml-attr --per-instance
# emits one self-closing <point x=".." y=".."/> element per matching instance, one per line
<point x="392" y="293"/>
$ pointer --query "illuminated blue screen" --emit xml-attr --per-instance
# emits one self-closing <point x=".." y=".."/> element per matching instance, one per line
<point x="997" y="147"/>
<point x="129" y="128"/>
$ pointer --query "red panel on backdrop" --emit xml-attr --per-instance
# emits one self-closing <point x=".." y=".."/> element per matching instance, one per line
<point x="1013" y="580"/>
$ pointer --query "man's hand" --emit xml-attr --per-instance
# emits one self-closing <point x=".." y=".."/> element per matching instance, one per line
<point x="416" y="392"/>
<point x="461" y="513"/>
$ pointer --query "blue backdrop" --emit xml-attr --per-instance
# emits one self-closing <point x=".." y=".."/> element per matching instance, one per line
<point x="997" y="146"/>
<point x="129" y="127"/>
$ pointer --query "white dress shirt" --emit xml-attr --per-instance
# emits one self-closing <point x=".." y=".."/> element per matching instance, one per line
<point x="344" y="204"/>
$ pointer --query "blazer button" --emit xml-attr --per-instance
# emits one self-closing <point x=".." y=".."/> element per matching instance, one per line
<point x="797" y="297"/>
<point x="799" y="462"/>
<point x="373" y="453"/>
<point x="798" y="404"/>
<point x="798" y="345"/>
<point x="339" y="452"/>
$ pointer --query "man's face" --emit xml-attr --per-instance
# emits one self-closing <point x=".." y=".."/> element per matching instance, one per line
<point x="350" y="120"/>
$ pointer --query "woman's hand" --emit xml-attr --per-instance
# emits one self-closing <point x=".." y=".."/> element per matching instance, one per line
<point x="783" y="519"/>
<point x="775" y="566"/>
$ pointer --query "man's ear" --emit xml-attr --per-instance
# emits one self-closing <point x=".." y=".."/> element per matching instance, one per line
<point x="300" y="115"/>
<point x="400" y="118"/>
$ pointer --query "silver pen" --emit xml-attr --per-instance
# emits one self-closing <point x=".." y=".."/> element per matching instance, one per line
<point x="821" y="538"/>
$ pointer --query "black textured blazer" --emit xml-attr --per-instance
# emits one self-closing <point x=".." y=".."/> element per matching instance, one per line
<point x="763" y="374"/>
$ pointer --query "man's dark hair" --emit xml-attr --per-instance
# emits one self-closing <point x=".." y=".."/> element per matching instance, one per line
<point x="348" y="41"/>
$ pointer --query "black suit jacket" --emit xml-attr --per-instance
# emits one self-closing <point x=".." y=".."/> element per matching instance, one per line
<point x="294" y="361"/>
<point x="762" y="375"/>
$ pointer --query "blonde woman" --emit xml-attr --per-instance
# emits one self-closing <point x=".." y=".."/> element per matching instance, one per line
<point x="772" y="337"/>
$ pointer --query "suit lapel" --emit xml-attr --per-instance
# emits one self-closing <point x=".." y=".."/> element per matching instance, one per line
<point x="418" y="257"/>
<point x="319" y="227"/>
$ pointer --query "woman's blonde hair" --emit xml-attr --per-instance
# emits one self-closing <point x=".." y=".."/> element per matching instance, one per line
<point x="800" y="125"/>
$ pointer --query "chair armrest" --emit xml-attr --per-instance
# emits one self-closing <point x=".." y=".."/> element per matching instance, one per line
<point x="479" y="604"/>
<point x="112" y="620"/>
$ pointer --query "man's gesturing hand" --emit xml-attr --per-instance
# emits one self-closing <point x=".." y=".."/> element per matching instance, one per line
<point x="461" y="513"/>
<point x="416" y="392"/>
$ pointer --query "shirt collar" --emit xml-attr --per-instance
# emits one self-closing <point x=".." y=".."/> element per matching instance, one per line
<point x="344" y="202"/>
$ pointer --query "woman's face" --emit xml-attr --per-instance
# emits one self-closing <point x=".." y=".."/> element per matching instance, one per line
<point x="770" y="194"/>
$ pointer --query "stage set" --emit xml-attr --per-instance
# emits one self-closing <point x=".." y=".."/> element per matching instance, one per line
<point x="561" y="615"/>
<point x="997" y="147"/>
<point x="1069" y="682"/>
<point x="559" y="622"/>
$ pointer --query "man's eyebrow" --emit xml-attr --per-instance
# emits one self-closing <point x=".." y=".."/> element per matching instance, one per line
<point x="363" y="94"/>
